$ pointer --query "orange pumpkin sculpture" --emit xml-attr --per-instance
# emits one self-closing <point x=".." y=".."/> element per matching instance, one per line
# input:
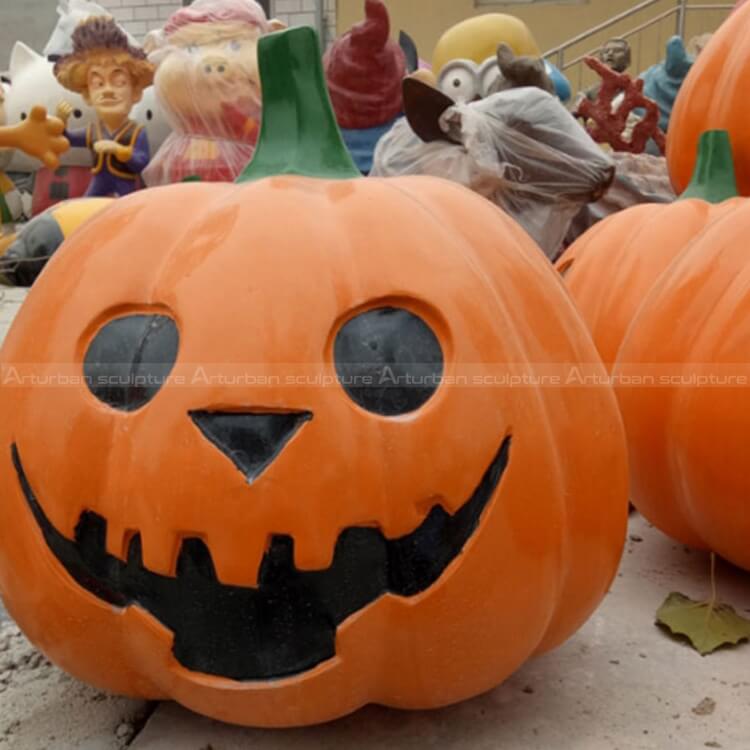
<point x="262" y="497"/>
<point x="714" y="97"/>
<point x="610" y="269"/>
<point x="682" y="381"/>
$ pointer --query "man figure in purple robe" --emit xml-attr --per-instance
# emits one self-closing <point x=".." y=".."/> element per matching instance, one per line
<point x="110" y="75"/>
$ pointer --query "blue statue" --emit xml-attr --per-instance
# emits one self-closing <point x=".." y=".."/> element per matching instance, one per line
<point x="662" y="81"/>
<point x="559" y="81"/>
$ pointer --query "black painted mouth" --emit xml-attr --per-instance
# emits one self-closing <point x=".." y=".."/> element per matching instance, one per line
<point x="287" y="624"/>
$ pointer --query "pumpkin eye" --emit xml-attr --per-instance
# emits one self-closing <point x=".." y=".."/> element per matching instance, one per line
<point x="388" y="361"/>
<point x="130" y="358"/>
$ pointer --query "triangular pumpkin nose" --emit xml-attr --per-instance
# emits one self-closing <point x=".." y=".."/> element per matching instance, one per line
<point x="250" y="441"/>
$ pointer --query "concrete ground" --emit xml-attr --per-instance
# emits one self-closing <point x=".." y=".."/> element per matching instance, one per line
<point x="619" y="684"/>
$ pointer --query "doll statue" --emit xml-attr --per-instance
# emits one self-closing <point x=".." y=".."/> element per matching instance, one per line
<point x="364" y="69"/>
<point x="111" y="75"/>
<point x="615" y="54"/>
<point x="207" y="85"/>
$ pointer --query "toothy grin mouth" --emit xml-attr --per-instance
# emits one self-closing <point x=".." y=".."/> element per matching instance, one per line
<point x="285" y="625"/>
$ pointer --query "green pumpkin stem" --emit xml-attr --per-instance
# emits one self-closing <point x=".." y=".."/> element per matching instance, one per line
<point x="298" y="134"/>
<point x="714" y="178"/>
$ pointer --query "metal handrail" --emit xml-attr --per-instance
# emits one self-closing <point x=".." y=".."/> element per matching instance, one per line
<point x="680" y="10"/>
<point x="602" y="27"/>
<point x="626" y="35"/>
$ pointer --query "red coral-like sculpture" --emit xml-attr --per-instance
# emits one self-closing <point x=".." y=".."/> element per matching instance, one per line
<point x="606" y="125"/>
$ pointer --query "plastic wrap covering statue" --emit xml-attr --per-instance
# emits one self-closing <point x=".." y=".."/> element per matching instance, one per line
<point x="520" y="148"/>
<point x="207" y="85"/>
<point x="639" y="178"/>
<point x="148" y="112"/>
<point x="518" y="71"/>
<point x="73" y="12"/>
<point x="364" y="70"/>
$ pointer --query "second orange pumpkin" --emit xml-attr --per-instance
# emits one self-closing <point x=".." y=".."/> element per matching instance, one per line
<point x="682" y="382"/>
<point x="714" y="96"/>
<point x="611" y="268"/>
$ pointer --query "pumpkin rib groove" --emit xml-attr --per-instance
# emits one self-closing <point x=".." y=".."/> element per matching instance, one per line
<point x="701" y="298"/>
<point x="713" y="97"/>
<point x="551" y="638"/>
<point x="257" y="276"/>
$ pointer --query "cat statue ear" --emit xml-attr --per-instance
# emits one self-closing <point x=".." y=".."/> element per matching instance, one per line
<point x="505" y="56"/>
<point x="409" y="48"/>
<point x="276" y="24"/>
<point x="519" y="71"/>
<point x="22" y="57"/>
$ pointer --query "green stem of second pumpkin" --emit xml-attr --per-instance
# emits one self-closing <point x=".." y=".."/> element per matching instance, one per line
<point x="298" y="134"/>
<point x="714" y="178"/>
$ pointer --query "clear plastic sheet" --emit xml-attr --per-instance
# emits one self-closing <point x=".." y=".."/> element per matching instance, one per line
<point x="520" y="149"/>
<point x="71" y="13"/>
<point x="208" y="87"/>
<point x="639" y="178"/>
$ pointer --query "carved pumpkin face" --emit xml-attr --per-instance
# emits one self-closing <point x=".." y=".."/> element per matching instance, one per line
<point x="288" y="480"/>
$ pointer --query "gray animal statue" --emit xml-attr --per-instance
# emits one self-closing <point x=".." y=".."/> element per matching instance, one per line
<point x="519" y="148"/>
<point x="519" y="71"/>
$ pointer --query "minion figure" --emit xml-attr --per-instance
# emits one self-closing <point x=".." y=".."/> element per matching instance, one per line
<point x="465" y="58"/>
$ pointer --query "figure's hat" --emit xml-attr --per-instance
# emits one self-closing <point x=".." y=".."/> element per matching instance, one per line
<point x="95" y="37"/>
<point x="246" y="12"/>
<point x="364" y="70"/>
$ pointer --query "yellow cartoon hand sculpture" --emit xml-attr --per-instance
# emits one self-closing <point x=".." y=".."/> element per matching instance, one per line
<point x="39" y="136"/>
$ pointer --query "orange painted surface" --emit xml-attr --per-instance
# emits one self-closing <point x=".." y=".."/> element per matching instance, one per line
<point x="611" y="268"/>
<point x="714" y="97"/>
<point x="688" y="438"/>
<point x="259" y="278"/>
